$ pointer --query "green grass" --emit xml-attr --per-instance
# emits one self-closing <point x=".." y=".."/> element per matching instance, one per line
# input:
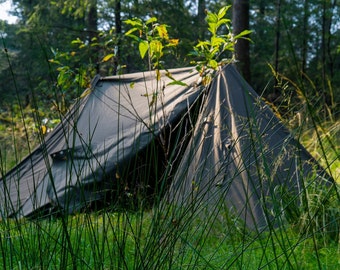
<point x="150" y="241"/>
<point x="326" y="147"/>
<point x="20" y="132"/>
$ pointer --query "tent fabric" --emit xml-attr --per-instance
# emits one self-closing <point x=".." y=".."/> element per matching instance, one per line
<point x="103" y="129"/>
<point x="239" y="154"/>
<point x="241" y="157"/>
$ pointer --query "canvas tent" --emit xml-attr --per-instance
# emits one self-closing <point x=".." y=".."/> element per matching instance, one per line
<point x="242" y="158"/>
<point x="239" y="154"/>
<point x="102" y="132"/>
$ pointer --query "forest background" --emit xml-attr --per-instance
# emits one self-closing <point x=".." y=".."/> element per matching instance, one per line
<point x="53" y="50"/>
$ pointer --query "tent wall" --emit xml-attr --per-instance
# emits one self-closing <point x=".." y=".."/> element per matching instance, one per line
<point x="103" y="132"/>
<point x="241" y="157"/>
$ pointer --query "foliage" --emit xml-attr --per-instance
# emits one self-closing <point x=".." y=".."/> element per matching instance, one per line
<point x="153" y="40"/>
<point x="76" y="70"/>
<point x="210" y="52"/>
<point x="308" y="33"/>
<point x="28" y="44"/>
<point x="323" y="142"/>
<point x="320" y="214"/>
<point x="21" y="130"/>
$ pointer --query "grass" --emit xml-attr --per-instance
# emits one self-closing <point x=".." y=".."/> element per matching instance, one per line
<point x="329" y="141"/>
<point x="124" y="241"/>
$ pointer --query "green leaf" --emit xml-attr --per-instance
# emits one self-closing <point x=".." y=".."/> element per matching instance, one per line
<point x="138" y="39"/>
<point x="77" y="41"/>
<point x="222" y="22"/>
<point x="222" y="12"/>
<point x="156" y="48"/>
<point x="143" y="48"/>
<point x="151" y="20"/>
<point x="177" y="83"/>
<point x="213" y="52"/>
<point x="212" y="28"/>
<point x="108" y="57"/>
<point x="217" y="41"/>
<point x="134" y="22"/>
<point x="169" y="75"/>
<point x="131" y="31"/>
<point x="228" y="47"/>
<point x="212" y="18"/>
<point x="213" y="64"/>
<point x="54" y="61"/>
<point x="243" y="34"/>
<point x="203" y="44"/>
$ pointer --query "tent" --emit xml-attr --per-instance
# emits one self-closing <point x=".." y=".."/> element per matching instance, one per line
<point x="242" y="158"/>
<point x="89" y="150"/>
<point x="232" y="151"/>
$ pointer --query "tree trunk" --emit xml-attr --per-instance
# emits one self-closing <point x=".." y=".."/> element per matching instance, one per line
<point x="323" y="43"/>
<point x="201" y="19"/>
<point x="118" y="24"/>
<point x="92" y="24"/>
<point x="329" y="38"/>
<point x="305" y="37"/>
<point x="277" y="37"/>
<point x="326" y="55"/>
<point x="240" y="21"/>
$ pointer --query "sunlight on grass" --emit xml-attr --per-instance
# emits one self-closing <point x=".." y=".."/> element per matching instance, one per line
<point x="328" y="142"/>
